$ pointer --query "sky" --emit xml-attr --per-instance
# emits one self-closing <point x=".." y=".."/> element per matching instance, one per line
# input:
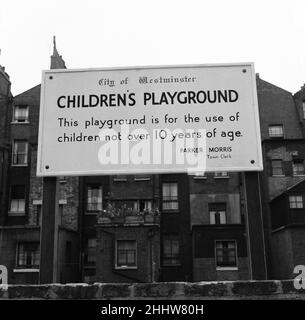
<point x="114" y="33"/>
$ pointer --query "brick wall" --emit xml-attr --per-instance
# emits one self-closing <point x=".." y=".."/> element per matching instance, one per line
<point x="276" y="106"/>
<point x="106" y="270"/>
<point x="9" y="238"/>
<point x="205" y="270"/>
<point x="282" y="149"/>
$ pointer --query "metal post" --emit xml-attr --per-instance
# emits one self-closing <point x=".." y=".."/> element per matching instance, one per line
<point x="255" y="226"/>
<point x="49" y="232"/>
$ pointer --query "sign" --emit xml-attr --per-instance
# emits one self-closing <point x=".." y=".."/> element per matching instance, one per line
<point x="164" y="119"/>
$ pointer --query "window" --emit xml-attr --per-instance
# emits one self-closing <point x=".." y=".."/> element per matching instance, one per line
<point x="91" y="251"/>
<point x="143" y="205"/>
<point x="171" y="251"/>
<point x="141" y="177"/>
<point x="21" y="114"/>
<point x="28" y="255"/>
<point x="94" y="198"/>
<point x="170" y="196"/>
<point x="221" y="174"/>
<point x="200" y="175"/>
<point x="296" y="202"/>
<point x="276" y="131"/>
<point x="298" y="167"/>
<point x="303" y="106"/>
<point x="226" y="254"/>
<point x="217" y="213"/>
<point x="17" y="199"/>
<point x="62" y="179"/>
<point x="126" y="253"/>
<point x="120" y="177"/>
<point x="20" y="152"/>
<point x="277" y="167"/>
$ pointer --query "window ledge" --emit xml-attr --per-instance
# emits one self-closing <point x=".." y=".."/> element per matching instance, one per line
<point x="141" y="179"/>
<point x="125" y="268"/>
<point x="19" y="165"/>
<point x="278" y="175"/>
<point x="119" y="180"/>
<point x="223" y="177"/>
<point x="16" y="214"/>
<point x="21" y="122"/>
<point x="299" y="175"/>
<point x="25" y="270"/>
<point x="200" y="177"/>
<point x="227" y="268"/>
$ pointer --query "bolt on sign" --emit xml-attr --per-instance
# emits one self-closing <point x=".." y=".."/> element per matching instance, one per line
<point x="167" y="119"/>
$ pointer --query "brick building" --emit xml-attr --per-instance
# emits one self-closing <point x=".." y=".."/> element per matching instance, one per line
<point x="21" y="194"/>
<point x="167" y="227"/>
<point x="217" y="219"/>
<point x="283" y="144"/>
<point x="285" y="154"/>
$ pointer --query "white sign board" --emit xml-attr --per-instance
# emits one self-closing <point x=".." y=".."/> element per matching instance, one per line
<point x="149" y="120"/>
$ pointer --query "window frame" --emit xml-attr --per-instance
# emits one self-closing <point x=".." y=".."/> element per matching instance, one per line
<point x="226" y="266"/>
<point x="120" y="178"/>
<point x="148" y="204"/>
<point x="15" y="119"/>
<point x="166" y="260"/>
<point x="277" y="167"/>
<point x="200" y="176"/>
<point x="296" y="202"/>
<point x="16" y="153"/>
<point x="215" y="211"/>
<point x="295" y="172"/>
<point x="36" y="258"/>
<point x="90" y="251"/>
<point x="135" y="249"/>
<point x="173" y="200"/>
<point x="90" y="210"/>
<point x="276" y="136"/>
<point x="17" y="212"/>
<point x="221" y="175"/>
<point x="142" y="177"/>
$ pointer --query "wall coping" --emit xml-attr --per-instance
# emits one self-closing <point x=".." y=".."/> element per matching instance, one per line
<point x="231" y="290"/>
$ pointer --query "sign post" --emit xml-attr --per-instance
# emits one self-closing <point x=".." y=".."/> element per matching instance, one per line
<point x="256" y="247"/>
<point x="49" y="232"/>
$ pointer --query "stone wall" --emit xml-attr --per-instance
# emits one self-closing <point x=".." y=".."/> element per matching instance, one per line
<point x="238" y="290"/>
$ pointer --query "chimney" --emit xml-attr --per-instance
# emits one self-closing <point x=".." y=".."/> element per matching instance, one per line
<point x="57" y="61"/>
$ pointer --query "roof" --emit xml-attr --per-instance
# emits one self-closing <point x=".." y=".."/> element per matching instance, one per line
<point x="289" y="188"/>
